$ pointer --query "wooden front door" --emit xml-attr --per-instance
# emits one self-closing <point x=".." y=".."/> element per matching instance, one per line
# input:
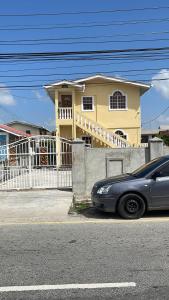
<point x="66" y="101"/>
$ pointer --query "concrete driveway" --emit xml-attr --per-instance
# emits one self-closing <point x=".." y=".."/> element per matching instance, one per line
<point x="34" y="206"/>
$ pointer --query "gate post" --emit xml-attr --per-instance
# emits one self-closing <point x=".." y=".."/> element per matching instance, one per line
<point x="78" y="170"/>
<point x="155" y="148"/>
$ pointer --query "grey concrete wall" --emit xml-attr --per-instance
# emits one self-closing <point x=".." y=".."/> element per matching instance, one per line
<point x="165" y="150"/>
<point x="102" y="163"/>
<point x="156" y="148"/>
<point x="93" y="164"/>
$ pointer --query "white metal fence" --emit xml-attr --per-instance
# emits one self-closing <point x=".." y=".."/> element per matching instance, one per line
<point x="36" y="162"/>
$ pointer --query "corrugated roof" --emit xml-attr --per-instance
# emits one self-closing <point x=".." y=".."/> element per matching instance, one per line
<point x="164" y="127"/>
<point x="26" y="123"/>
<point x="149" y="131"/>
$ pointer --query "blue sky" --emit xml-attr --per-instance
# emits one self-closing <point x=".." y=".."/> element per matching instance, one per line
<point x="33" y="105"/>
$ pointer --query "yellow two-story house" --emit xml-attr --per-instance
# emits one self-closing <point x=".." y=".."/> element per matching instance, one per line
<point x="103" y="111"/>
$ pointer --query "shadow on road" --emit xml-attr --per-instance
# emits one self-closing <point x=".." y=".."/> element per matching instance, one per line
<point x="92" y="213"/>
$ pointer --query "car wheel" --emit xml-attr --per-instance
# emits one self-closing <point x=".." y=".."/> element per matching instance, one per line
<point x="131" y="206"/>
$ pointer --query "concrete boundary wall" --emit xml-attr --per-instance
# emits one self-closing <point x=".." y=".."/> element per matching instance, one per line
<point x="93" y="164"/>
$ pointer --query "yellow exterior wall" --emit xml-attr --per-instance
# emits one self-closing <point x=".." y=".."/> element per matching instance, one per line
<point x="66" y="131"/>
<point x="127" y="120"/>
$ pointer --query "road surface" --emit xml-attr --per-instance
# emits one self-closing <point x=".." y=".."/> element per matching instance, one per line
<point x="85" y="261"/>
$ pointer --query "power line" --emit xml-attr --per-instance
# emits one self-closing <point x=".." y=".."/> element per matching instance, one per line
<point x="86" y="42"/>
<point x="86" y="37"/>
<point x="86" y="73"/>
<point x="116" y="60"/>
<point x="21" y="87"/>
<point x="81" y="66"/>
<point x="26" y="55"/>
<point x="51" y="55"/>
<point x="152" y="120"/>
<point x="86" y="25"/>
<point x="86" y="12"/>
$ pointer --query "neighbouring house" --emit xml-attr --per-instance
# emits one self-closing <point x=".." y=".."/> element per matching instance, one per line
<point x="9" y="135"/>
<point x="29" y="128"/>
<point x="147" y="134"/>
<point x="164" y="133"/>
<point x="103" y="111"/>
<point x="164" y="130"/>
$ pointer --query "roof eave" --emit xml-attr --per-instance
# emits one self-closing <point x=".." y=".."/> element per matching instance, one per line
<point x="71" y="83"/>
<point x="25" y="123"/>
<point x="51" y="88"/>
<point x="114" y="79"/>
<point x="13" y="133"/>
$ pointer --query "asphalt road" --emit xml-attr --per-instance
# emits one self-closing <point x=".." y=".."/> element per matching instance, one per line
<point x="59" y="254"/>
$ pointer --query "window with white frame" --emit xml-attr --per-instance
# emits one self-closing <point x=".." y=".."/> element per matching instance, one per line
<point x="87" y="103"/>
<point x="121" y="134"/>
<point x="117" y="101"/>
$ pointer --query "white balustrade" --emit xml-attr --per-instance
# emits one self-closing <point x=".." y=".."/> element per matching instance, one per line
<point x="65" y="113"/>
<point x="144" y="145"/>
<point x="106" y="135"/>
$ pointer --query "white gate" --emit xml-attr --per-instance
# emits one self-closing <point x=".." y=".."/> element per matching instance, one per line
<point x="36" y="162"/>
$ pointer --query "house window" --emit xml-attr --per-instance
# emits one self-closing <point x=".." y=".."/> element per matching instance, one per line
<point x="3" y="139"/>
<point x="144" y="138"/>
<point x="87" y="139"/>
<point x="28" y="131"/>
<point x="3" y="148"/>
<point x="121" y="134"/>
<point x="87" y="103"/>
<point x="117" y="101"/>
<point x="65" y="101"/>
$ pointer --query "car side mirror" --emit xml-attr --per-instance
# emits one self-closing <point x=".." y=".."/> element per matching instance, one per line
<point x="155" y="175"/>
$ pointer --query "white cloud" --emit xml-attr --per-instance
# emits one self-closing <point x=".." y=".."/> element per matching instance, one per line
<point x="162" y="86"/>
<point x="39" y="96"/>
<point x="6" y="97"/>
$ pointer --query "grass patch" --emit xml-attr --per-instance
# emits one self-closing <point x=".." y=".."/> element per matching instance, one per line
<point x="78" y="207"/>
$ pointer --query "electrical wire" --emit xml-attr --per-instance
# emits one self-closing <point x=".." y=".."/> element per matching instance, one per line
<point x="86" y="37"/>
<point x="119" y="10"/>
<point x="87" y="73"/>
<point x="155" y="118"/>
<point x="86" y="25"/>
<point x="85" y="42"/>
<point x="131" y="51"/>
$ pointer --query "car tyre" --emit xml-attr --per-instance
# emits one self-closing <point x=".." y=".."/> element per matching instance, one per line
<point x="131" y="206"/>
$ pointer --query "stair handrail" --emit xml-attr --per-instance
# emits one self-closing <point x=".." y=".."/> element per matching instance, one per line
<point x="100" y="130"/>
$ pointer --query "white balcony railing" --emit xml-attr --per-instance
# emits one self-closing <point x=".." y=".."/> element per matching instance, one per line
<point x="65" y="113"/>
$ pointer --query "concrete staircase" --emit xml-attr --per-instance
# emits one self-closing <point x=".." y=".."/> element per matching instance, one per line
<point x="99" y="132"/>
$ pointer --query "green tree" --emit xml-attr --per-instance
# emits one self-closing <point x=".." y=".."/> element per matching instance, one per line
<point x="165" y="138"/>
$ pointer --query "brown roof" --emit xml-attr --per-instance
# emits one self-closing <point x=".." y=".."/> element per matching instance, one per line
<point x="13" y="131"/>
